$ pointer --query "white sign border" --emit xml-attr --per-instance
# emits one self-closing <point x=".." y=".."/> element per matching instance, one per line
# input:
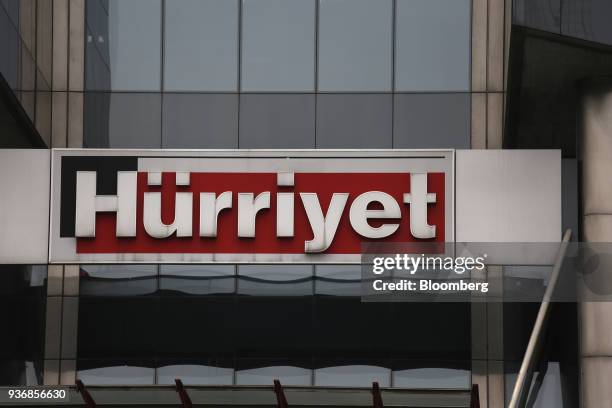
<point x="62" y="250"/>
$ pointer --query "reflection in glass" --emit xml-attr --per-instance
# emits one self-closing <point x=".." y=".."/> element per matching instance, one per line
<point x="550" y="387"/>
<point x="10" y="44"/>
<point x="117" y="375"/>
<point x="279" y="280"/>
<point x="195" y="375"/>
<point x="589" y="20"/>
<point x="118" y="280"/>
<point x="201" y="45"/>
<point x="23" y="305"/>
<point x="432" y="45"/>
<point x="433" y="377"/>
<point x="133" y="44"/>
<point x="338" y="280"/>
<point x="352" y="376"/>
<point x="527" y="282"/>
<point x="197" y="279"/>
<point x="288" y="375"/>
<point x="355" y="41"/>
<point x="540" y="14"/>
<point x="278" y="45"/>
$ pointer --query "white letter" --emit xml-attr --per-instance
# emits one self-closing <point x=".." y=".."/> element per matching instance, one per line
<point x="377" y="268"/>
<point x="210" y="207"/>
<point x="183" y="210"/>
<point x="182" y="224"/>
<point x="418" y="200"/>
<point x="323" y="227"/>
<point x="88" y="204"/>
<point x="247" y="211"/>
<point x="284" y="206"/>
<point x="284" y="214"/>
<point x="359" y="214"/>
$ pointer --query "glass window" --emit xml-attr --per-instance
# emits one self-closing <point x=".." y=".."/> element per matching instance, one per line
<point x="354" y="121"/>
<point x="195" y="375"/>
<point x="200" y="121"/>
<point x="355" y="45"/>
<point x="278" y="45"/>
<point x="276" y="121"/>
<point x="122" y="120"/>
<point x="271" y="324"/>
<point x="44" y="40"/>
<point x="97" y="65"/>
<point x="23" y="311"/>
<point x="287" y="375"/>
<point x="10" y="45"/>
<point x="133" y="43"/>
<point x="569" y="196"/>
<point x="352" y="376"/>
<point x="117" y="375"/>
<point x="117" y="280"/>
<point x="196" y="327"/>
<point x="551" y="390"/>
<point x="12" y="9"/>
<point x="540" y="14"/>
<point x="589" y="20"/>
<point x="197" y="279"/>
<point x="338" y="280"/>
<point x="283" y="280"/>
<point x="427" y="121"/>
<point x="118" y="327"/>
<point x="201" y="45"/>
<point x="432" y="377"/>
<point x="432" y="45"/>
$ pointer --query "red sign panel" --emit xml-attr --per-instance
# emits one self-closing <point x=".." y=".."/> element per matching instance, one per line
<point x="346" y="240"/>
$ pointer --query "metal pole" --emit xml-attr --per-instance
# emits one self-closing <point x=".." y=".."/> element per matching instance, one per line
<point x="377" y="401"/>
<point x="281" y="400"/>
<point x="520" y="388"/>
<point x="87" y="398"/>
<point x="180" y="388"/>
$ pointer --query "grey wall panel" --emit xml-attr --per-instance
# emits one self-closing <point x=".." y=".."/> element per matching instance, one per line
<point x="431" y="121"/>
<point x="201" y="45"/>
<point x="278" y="45"/>
<point x="24" y="206"/>
<point x="277" y="121"/>
<point x="122" y="120"/>
<point x="200" y="121"/>
<point x="508" y="195"/>
<point x="354" y="121"/>
<point x="355" y="45"/>
<point x="432" y="45"/>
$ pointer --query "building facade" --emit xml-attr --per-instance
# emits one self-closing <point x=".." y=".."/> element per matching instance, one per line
<point x="304" y="74"/>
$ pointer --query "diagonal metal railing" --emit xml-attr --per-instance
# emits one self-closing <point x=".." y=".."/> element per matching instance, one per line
<point x="525" y="375"/>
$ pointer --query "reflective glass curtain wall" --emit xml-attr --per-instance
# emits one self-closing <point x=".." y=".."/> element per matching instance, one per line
<point x="278" y="74"/>
<point x="270" y="74"/>
<point x="249" y="324"/>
